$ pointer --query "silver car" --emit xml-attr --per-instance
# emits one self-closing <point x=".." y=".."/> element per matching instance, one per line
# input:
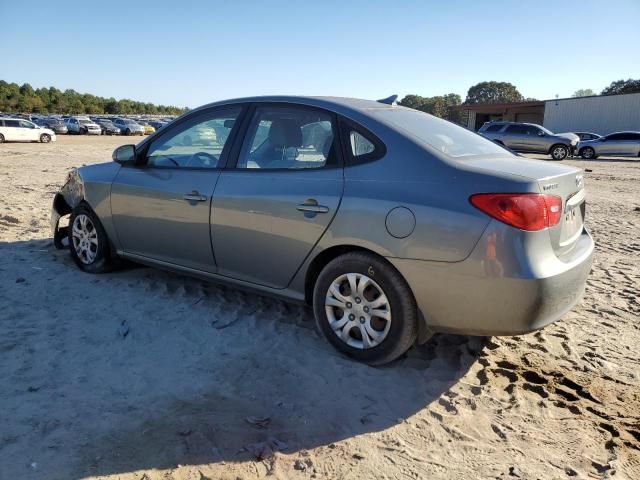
<point x="128" y="126"/>
<point x="82" y="126"/>
<point x="530" y="138"/>
<point x="391" y="223"/>
<point x="619" y="144"/>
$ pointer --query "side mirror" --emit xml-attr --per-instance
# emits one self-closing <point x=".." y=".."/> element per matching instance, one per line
<point x="229" y="123"/>
<point x="124" y="154"/>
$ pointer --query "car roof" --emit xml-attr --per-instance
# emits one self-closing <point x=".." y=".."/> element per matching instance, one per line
<point x="338" y="104"/>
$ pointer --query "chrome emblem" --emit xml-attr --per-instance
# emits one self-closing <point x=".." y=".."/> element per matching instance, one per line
<point x="578" y="181"/>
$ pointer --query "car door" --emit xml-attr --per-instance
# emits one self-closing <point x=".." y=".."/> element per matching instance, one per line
<point x="161" y="206"/>
<point x="533" y="139"/>
<point x="514" y="137"/>
<point x="30" y="131"/>
<point x="13" y="132"/>
<point x="274" y="203"/>
<point x="613" y="144"/>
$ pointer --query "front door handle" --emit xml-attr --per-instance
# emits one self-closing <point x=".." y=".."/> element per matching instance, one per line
<point x="312" y="206"/>
<point x="195" y="197"/>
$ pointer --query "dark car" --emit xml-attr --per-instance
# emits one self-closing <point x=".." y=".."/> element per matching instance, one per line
<point x="55" y="124"/>
<point x="107" y="127"/>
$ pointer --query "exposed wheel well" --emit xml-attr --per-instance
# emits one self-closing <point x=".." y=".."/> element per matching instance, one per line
<point x="324" y="257"/>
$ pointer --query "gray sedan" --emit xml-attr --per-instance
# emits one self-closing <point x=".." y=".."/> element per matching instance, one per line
<point x="391" y="223"/>
<point x="619" y="144"/>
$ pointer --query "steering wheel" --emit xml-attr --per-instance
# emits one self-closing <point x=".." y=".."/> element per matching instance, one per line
<point x="204" y="159"/>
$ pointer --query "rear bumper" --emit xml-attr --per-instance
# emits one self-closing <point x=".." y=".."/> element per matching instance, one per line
<point x="500" y="289"/>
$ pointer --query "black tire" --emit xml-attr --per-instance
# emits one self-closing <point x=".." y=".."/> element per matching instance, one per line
<point x="559" y="152"/>
<point x="102" y="262"/>
<point x="127" y="132"/>
<point x="588" y="153"/>
<point x="1" y="138"/>
<point x="403" y="329"/>
<point x="45" y="138"/>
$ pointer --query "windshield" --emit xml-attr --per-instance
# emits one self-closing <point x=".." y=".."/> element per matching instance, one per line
<point x="545" y="130"/>
<point x="84" y="121"/>
<point x="444" y="136"/>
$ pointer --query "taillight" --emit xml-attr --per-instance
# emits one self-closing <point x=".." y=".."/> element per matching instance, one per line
<point x="526" y="211"/>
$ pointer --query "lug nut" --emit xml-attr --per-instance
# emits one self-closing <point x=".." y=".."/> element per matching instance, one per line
<point x="361" y="319"/>
<point x="352" y="317"/>
<point x="349" y="305"/>
<point x="357" y="299"/>
<point x="366" y="309"/>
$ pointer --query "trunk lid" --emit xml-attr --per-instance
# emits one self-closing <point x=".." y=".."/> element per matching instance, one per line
<point x="564" y="181"/>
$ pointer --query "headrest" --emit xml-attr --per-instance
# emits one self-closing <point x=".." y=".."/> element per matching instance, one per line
<point x="285" y="132"/>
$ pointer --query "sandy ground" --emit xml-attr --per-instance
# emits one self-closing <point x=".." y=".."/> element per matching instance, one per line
<point x="208" y="378"/>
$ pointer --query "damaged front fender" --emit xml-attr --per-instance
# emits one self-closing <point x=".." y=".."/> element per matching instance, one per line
<point x="69" y="197"/>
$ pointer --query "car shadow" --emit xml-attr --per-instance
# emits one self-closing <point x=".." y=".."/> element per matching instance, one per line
<point x="143" y="369"/>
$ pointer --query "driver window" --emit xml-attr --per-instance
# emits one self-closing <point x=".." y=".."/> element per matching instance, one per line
<point x="195" y="144"/>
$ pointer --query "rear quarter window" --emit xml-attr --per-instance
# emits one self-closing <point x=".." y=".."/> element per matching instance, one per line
<point x="493" y="128"/>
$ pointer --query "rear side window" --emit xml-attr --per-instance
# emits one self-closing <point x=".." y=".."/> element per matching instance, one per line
<point x="494" y="128"/>
<point x="12" y="123"/>
<point x="517" y="130"/>
<point x="618" y="136"/>
<point x="360" y="145"/>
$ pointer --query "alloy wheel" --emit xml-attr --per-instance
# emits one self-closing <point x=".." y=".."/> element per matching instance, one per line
<point x="358" y="311"/>
<point x="85" y="238"/>
<point x="559" y="153"/>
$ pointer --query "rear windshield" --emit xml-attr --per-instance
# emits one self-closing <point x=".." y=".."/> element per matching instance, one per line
<point x="444" y="136"/>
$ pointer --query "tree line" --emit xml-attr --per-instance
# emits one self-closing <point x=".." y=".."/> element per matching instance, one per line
<point x="443" y="106"/>
<point x="24" y="98"/>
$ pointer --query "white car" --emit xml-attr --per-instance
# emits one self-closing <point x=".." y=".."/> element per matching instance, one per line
<point x="19" y="130"/>
<point x="82" y="126"/>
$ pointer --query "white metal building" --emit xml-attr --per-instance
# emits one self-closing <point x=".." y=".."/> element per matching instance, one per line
<point x="598" y="114"/>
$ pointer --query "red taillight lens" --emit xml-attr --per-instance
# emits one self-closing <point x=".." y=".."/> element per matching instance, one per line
<point x="526" y="211"/>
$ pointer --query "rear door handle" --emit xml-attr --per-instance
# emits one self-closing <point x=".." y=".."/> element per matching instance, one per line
<point x="195" y="197"/>
<point x="312" y="206"/>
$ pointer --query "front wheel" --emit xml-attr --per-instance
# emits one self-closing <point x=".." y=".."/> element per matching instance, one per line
<point x="88" y="241"/>
<point x="588" y="153"/>
<point x="1" y="138"/>
<point x="45" y="138"/>
<point x="559" y="152"/>
<point x="365" y="309"/>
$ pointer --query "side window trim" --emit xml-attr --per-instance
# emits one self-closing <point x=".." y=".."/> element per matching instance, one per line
<point x="142" y="157"/>
<point x="243" y="130"/>
<point x="346" y="127"/>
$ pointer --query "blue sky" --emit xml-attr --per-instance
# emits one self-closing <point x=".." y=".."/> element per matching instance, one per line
<point x="188" y="53"/>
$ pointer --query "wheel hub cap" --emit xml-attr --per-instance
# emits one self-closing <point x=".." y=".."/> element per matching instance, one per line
<point x="358" y="311"/>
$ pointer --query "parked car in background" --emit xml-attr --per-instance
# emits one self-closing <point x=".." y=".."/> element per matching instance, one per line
<point x="20" y="130"/>
<point x="157" y="124"/>
<point x="55" y="124"/>
<point x="148" y="129"/>
<point x="421" y="226"/>
<point x="619" y="144"/>
<point x="128" y="126"/>
<point x="587" y="136"/>
<point x="82" y="126"/>
<point x="530" y="138"/>
<point x="107" y="127"/>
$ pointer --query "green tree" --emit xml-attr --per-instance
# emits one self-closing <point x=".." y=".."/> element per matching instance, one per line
<point x="584" y="92"/>
<point x="493" y="92"/>
<point x="24" y="99"/>
<point x="622" y="86"/>
<point x="439" y="106"/>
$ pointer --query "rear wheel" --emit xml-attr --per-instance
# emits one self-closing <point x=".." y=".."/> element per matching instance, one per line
<point x="559" y="152"/>
<point x="45" y="138"/>
<point x="588" y="153"/>
<point x="88" y="241"/>
<point x="365" y="308"/>
<point x="127" y="132"/>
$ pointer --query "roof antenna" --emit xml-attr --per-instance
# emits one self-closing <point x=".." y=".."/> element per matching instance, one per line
<point x="392" y="100"/>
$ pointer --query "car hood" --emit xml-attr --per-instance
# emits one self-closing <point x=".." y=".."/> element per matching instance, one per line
<point x="569" y="135"/>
